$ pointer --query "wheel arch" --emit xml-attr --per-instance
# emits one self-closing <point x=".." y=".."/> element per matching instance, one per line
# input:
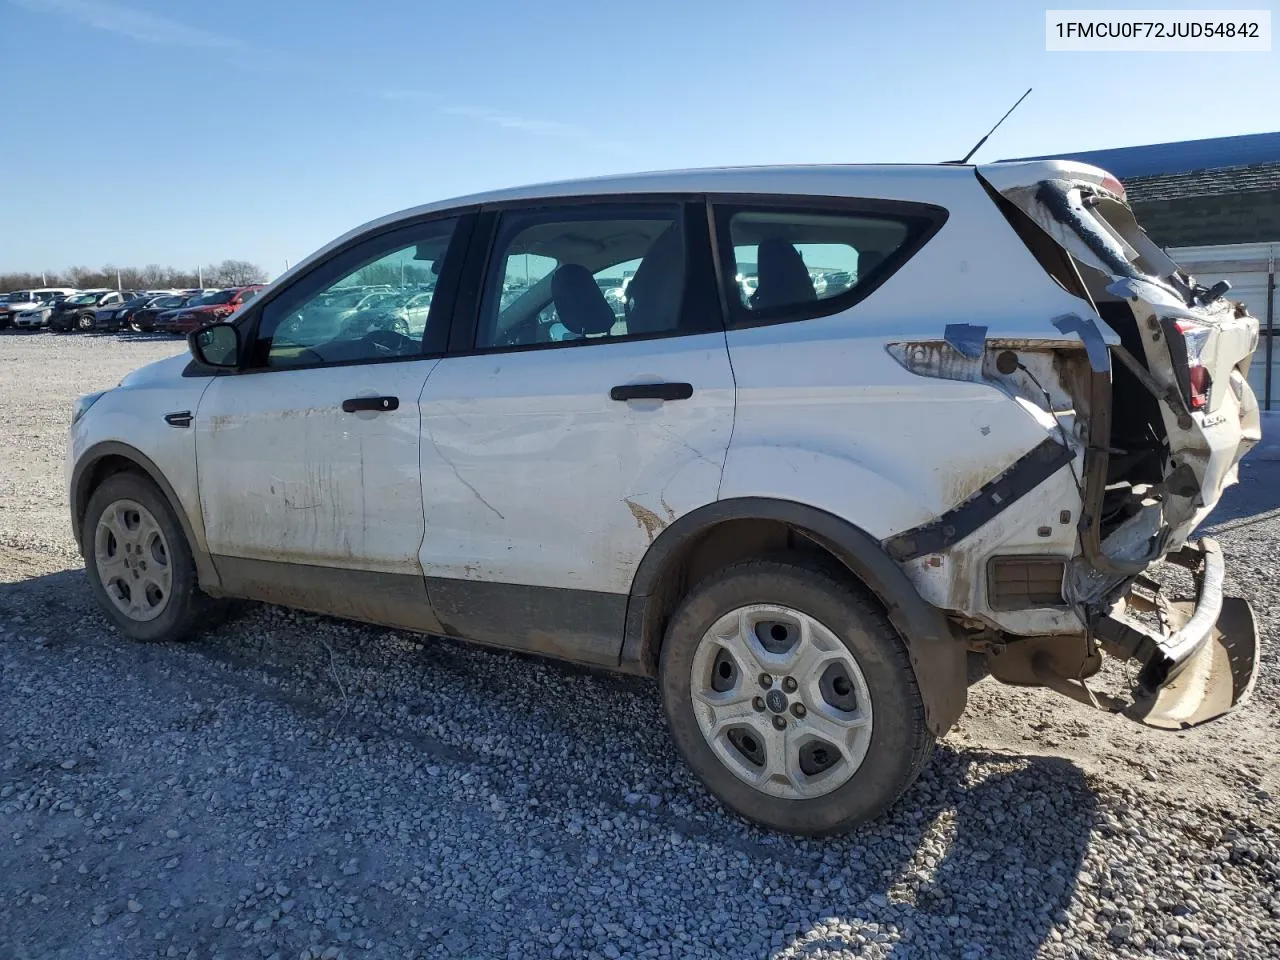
<point x="713" y="536"/>
<point x="110" y="457"/>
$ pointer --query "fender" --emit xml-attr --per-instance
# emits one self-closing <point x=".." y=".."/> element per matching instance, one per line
<point x="80" y="493"/>
<point x="937" y="655"/>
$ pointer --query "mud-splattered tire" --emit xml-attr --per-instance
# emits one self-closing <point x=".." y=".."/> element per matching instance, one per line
<point x="140" y="565"/>
<point x="791" y="696"/>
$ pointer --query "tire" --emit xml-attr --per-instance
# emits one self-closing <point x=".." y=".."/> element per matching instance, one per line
<point x="84" y="322"/>
<point x="183" y="609"/>
<point x="879" y="711"/>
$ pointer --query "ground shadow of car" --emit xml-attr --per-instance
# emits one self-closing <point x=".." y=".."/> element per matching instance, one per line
<point x="980" y="858"/>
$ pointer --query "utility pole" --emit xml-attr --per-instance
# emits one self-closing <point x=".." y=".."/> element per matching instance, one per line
<point x="117" y="279"/>
<point x="200" y="274"/>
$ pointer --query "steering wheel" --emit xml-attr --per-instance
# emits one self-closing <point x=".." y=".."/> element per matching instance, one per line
<point x="389" y="342"/>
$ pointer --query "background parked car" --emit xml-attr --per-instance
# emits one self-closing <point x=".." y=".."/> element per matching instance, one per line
<point x="405" y="315"/>
<point x="20" y="300"/>
<point x="143" y="319"/>
<point x="34" y="317"/>
<point x="207" y="309"/>
<point x="348" y="309"/>
<point x="116" y="316"/>
<point x="78" y="312"/>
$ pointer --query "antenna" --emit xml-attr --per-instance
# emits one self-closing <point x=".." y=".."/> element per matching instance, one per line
<point x="979" y="144"/>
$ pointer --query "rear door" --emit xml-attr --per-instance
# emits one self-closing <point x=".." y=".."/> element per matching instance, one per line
<point x="588" y="404"/>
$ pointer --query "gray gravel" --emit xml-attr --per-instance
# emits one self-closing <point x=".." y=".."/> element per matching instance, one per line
<point x="294" y="786"/>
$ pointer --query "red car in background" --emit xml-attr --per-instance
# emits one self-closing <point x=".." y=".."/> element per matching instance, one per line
<point x="210" y="308"/>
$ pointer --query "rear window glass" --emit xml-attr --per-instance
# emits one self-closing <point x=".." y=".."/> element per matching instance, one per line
<point x="789" y="263"/>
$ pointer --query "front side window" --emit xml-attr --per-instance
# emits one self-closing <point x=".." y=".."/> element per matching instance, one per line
<point x="792" y="263"/>
<point x="366" y="304"/>
<point x="586" y="273"/>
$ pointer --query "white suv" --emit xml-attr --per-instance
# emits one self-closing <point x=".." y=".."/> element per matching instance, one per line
<point x="802" y="511"/>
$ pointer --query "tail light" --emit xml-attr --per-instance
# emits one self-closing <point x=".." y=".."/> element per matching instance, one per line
<point x="1195" y="338"/>
<point x="1113" y="185"/>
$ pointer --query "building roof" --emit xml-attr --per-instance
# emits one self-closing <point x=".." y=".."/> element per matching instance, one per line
<point x="1182" y="156"/>
<point x="1204" y="183"/>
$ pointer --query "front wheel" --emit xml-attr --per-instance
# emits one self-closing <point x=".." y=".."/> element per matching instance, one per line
<point x="140" y="564"/>
<point x="791" y="696"/>
<point x="85" y="322"/>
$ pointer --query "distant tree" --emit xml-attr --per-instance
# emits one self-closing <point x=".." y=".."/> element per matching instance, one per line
<point x="229" y="273"/>
<point x="19" y="281"/>
<point x="85" y="277"/>
<point x="393" y="274"/>
<point x="234" y="273"/>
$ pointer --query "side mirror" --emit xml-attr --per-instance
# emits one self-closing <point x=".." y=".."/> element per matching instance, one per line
<point x="217" y="345"/>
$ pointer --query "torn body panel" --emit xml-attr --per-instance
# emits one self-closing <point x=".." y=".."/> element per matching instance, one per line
<point x="1157" y="413"/>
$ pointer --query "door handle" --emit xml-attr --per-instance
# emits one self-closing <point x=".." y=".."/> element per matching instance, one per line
<point x="376" y="404"/>
<point x="652" y="391"/>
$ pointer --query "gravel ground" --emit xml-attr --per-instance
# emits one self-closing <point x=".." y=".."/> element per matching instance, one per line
<point x="294" y="786"/>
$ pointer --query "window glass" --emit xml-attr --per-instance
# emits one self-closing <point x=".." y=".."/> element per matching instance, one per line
<point x="577" y="275"/>
<point x="792" y="258"/>
<point x="377" y="306"/>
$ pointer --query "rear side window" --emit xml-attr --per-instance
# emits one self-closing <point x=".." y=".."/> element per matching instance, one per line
<point x="793" y="262"/>
<point x="590" y="273"/>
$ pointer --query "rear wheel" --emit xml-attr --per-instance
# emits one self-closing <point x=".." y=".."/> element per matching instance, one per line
<point x="139" y="563"/>
<point x="791" y="696"/>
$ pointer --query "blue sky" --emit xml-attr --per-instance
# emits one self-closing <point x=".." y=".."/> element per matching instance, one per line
<point x="191" y="131"/>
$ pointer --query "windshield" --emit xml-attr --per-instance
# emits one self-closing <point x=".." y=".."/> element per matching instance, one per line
<point x="209" y="299"/>
<point x="170" y="302"/>
<point x="84" y="298"/>
<point x="20" y="296"/>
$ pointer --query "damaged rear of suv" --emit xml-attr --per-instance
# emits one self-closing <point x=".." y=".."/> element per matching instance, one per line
<point x="1143" y="393"/>
<point x="832" y="431"/>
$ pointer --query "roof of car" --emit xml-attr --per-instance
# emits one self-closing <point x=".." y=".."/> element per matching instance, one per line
<point x="903" y="181"/>
<point x="763" y="179"/>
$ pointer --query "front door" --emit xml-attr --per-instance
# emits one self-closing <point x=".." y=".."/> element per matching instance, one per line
<point x="308" y="458"/>
<point x="593" y="406"/>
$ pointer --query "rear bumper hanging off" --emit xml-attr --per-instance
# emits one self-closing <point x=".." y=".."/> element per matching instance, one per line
<point x="1202" y="659"/>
